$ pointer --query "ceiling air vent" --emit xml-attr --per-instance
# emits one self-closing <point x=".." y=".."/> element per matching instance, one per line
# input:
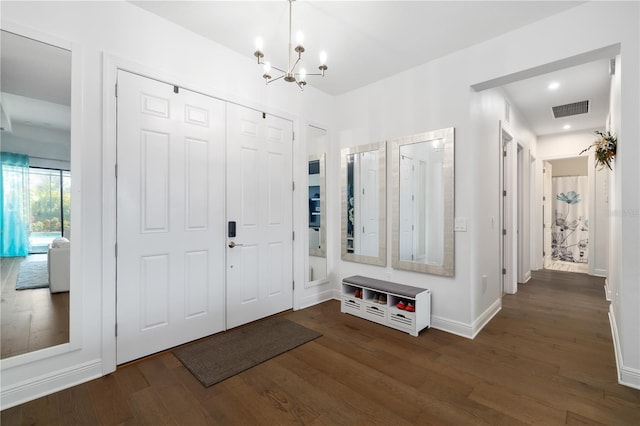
<point x="567" y="110"/>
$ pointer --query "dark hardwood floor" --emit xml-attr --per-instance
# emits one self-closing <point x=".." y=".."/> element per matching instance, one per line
<point x="547" y="358"/>
<point x="31" y="319"/>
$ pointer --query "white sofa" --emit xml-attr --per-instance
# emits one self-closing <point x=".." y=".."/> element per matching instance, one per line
<point x="59" y="262"/>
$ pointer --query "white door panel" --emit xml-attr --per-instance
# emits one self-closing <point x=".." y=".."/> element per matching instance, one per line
<point x="170" y="224"/>
<point x="259" y="201"/>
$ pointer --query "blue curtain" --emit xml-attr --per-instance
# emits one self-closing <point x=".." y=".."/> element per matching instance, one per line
<point x="14" y="197"/>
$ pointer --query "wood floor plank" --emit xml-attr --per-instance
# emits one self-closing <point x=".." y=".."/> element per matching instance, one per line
<point x="357" y="407"/>
<point x="545" y="358"/>
<point x="109" y="402"/>
<point x="75" y="406"/>
<point x="31" y="319"/>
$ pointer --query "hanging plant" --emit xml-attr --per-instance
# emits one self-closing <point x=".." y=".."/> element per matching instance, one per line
<point x="605" y="149"/>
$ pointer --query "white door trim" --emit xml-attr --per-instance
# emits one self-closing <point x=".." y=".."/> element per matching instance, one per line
<point x="111" y="64"/>
<point x="508" y="213"/>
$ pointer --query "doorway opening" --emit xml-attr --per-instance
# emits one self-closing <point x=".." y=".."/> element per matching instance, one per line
<point x="568" y="220"/>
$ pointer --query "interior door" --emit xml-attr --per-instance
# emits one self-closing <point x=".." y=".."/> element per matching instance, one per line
<point x="547" y="207"/>
<point x="259" y="215"/>
<point x="170" y="227"/>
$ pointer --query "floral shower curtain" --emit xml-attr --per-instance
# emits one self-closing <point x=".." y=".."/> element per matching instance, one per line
<point x="14" y="211"/>
<point x="570" y="233"/>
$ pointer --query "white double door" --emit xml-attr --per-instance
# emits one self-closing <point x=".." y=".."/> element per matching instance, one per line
<point x="180" y="276"/>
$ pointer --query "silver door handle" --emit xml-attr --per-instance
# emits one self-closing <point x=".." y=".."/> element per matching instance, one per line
<point x="232" y="244"/>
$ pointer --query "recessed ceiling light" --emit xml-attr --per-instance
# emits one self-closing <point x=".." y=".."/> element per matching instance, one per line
<point x="553" y="85"/>
<point x="566" y="126"/>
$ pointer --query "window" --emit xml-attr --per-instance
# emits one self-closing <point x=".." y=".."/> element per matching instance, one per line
<point x="50" y="207"/>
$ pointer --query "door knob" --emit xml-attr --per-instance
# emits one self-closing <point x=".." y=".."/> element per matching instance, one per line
<point x="232" y="244"/>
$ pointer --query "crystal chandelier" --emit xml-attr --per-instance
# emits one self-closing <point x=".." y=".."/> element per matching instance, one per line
<point x="290" y="75"/>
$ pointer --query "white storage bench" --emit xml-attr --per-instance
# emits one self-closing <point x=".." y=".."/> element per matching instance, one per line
<point x="377" y="301"/>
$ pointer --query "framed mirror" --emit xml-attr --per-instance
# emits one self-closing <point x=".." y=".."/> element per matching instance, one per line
<point x="317" y="196"/>
<point x="423" y="202"/>
<point x="36" y="217"/>
<point x="363" y="220"/>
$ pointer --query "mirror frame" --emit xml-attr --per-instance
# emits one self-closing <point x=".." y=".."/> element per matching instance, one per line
<point x="447" y="267"/>
<point x="381" y="259"/>
<point x="321" y="252"/>
<point x="75" y="287"/>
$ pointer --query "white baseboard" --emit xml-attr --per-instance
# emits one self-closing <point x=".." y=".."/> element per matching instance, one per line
<point x="318" y="298"/>
<point x="486" y="316"/>
<point x="607" y="290"/>
<point x="47" y="384"/>
<point x="626" y="376"/>
<point x="450" y="326"/>
<point x="470" y="331"/>
<point x="600" y="273"/>
<point x="527" y="277"/>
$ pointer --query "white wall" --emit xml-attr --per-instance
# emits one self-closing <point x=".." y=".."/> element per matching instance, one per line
<point x="437" y="95"/>
<point x="624" y="267"/>
<point x="125" y="32"/>
<point x="577" y="166"/>
<point x="566" y="145"/>
<point x="42" y="148"/>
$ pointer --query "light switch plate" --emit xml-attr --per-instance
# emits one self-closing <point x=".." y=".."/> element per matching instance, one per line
<point x="460" y="224"/>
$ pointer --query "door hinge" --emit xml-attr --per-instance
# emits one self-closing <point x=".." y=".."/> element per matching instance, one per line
<point x="504" y="271"/>
<point x="116" y="170"/>
<point x="504" y="193"/>
<point x="293" y="235"/>
<point x="264" y="115"/>
<point x="116" y="249"/>
<point x="544" y="198"/>
<point x="504" y="153"/>
<point x="293" y="186"/>
<point x="504" y="232"/>
<point x="116" y="90"/>
<point x="544" y="170"/>
<point x="293" y="285"/>
<point x="293" y="136"/>
<point x="176" y="89"/>
<point x="116" y="329"/>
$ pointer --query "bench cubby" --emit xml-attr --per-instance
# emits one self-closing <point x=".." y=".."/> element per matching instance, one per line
<point x="377" y="301"/>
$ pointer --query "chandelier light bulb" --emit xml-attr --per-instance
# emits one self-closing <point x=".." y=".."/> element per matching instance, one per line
<point x="303" y="75"/>
<point x="323" y="58"/>
<point x="299" y="38"/>
<point x="267" y="67"/>
<point x="259" y="44"/>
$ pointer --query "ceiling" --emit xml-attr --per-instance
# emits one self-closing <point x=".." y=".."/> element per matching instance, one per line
<point x="36" y="95"/>
<point x="367" y="41"/>
<point x="534" y="99"/>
